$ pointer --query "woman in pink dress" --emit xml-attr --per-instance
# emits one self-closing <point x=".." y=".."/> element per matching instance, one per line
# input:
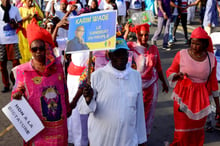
<point x="148" y="63"/>
<point x="193" y="77"/>
<point x="41" y="81"/>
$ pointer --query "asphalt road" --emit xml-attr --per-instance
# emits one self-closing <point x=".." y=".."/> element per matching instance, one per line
<point x="163" y="127"/>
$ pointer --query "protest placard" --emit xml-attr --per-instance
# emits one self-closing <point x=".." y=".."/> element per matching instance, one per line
<point x="24" y="119"/>
<point x="92" y="31"/>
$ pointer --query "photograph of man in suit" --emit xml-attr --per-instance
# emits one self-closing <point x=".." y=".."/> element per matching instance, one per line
<point x="77" y="43"/>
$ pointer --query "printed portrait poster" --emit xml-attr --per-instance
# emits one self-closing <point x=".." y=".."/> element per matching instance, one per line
<point x="23" y="117"/>
<point x="92" y="32"/>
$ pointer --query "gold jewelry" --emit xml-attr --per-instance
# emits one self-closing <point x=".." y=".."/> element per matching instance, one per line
<point x="197" y="56"/>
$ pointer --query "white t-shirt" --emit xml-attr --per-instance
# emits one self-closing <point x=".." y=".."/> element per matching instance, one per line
<point x="49" y="4"/>
<point x="135" y="4"/>
<point x="105" y="6"/>
<point x="7" y="34"/>
<point x="121" y="7"/>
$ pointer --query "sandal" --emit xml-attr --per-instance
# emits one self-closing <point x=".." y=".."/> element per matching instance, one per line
<point x="209" y="129"/>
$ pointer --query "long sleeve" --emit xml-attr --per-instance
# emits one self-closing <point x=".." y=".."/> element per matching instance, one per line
<point x="141" y="128"/>
<point x="83" y="107"/>
<point x="19" y="81"/>
<point x="83" y="76"/>
<point x="173" y="69"/>
<point x="213" y="83"/>
<point x="158" y="65"/>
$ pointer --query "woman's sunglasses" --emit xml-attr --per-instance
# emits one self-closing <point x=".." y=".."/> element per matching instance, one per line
<point x="41" y="48"/>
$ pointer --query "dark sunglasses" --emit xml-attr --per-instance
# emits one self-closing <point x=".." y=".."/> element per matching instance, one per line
<point x="41" y="48"/>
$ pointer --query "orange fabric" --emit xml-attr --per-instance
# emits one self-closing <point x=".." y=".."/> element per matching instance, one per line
<point x="35" y="32"/>
<point x="138" y="28"/>
<point x="187" y="132"/>
<point x="75" y="70"/>
<point x="200" y="33"/>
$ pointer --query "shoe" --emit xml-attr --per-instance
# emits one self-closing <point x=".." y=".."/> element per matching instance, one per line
<point x="153" y="42"/>
<point x="170" y="44"/>
<point x="209" y="127"/>
<point x="6" y="89"/>
<point x="174" y="40"/>
<point x="166" y="48"/>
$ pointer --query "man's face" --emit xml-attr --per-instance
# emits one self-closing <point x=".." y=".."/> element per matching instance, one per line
<point x="119" y="59"/>
<point x="80" y="32"/>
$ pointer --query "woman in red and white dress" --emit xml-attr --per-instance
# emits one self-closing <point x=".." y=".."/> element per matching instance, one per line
<point x="193" y="77"/>
<point x="148" y="63"/>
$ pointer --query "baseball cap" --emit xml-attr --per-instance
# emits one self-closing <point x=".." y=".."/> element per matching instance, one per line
<point x="120" y="44"/>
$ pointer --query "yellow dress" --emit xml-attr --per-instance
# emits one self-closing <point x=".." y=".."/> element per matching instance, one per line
<point x="23" y="42"/>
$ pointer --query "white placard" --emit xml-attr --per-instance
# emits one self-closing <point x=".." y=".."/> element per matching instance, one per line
<point x="24" y="119"/>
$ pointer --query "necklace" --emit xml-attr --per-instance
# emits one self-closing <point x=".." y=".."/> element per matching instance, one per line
<point x="195" y="55"/>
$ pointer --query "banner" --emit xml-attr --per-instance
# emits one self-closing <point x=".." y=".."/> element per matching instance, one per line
<point x="24" y="119"/>
<point x="92" y="31"/>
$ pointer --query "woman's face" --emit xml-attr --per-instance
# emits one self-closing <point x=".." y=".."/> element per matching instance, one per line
<point x="93" y="5"/>
<point x="142" y="37"/>
<point x="49" y="28"/>
<point x="197" y="45"/>
<point x="29" y="2"/>
<point x="38" y="50"/>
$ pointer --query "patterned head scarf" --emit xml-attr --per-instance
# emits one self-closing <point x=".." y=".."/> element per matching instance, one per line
<point x="200" y="33"/>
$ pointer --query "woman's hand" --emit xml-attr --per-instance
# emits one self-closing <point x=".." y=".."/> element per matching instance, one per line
<point x="69" y="112"/>
<point x="88" y="93"/>
<point x="217" y="111"/>
<point x="17" y="95"/>
<point x="165" y="87"/>
<point x="179" y="76"/>
<point x="127" y="25"/>
<point x="64" y="23"/>
<point x="13" y="24"/>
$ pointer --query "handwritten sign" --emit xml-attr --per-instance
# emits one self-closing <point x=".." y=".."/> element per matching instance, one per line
<point x="93" y="31"/>
<point x="24" y="119"/>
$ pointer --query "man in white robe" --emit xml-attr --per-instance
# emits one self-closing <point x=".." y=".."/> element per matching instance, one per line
<point x="114" y="102"/>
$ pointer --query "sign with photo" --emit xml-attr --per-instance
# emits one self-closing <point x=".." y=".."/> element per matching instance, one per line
<point x="92" y="31"/>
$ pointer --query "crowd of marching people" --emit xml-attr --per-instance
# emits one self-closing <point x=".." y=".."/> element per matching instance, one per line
<point x="116" y="106"/>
